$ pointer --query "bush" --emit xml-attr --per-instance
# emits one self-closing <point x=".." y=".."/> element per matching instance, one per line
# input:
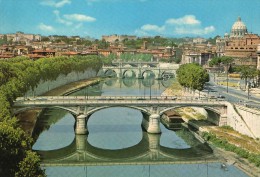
<point x="224" y="144"/>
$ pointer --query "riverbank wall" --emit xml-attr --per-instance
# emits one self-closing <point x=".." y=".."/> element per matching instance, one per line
<point x="247" y="123"/>
<point x="45" y="86"/>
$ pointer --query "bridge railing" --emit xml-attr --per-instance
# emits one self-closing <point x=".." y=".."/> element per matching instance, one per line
<point x="115" y="99"/>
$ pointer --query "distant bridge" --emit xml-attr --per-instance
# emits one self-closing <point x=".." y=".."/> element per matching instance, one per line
<point x="82" y="107"/>
<point x="147" y="151"/>
<point x="136" y="63"/>
<point x="139" y="70"/>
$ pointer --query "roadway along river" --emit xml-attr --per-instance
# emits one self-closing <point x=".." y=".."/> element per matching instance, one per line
<point x="116" y="145"/>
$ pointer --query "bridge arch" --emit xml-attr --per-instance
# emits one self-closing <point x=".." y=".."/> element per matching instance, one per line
<point x="74" y="112"/>
<point x="143" y="110"/>
<point x="108" y="71"/>
<point x="183" y="106"/>
<point x="127" y="70"/>
<point x="148" y="71"/>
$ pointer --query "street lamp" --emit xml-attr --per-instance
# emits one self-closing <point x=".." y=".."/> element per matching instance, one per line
<point x="248" y="89"/>
<point x="227" y="78"/>
<point x="150" y="92"/>
<point x="86" y="92"/>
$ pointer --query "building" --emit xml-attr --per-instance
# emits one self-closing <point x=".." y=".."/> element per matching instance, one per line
<point x="197" y="53"/>
<point x="240" y="45"/>
<point x="21" y="37"/>
<point x="36" y="54"/>
<point x="200" y="57"/>
<point x="199" y="40"/>
<point x="258" y="56"/>
<point x="119" y="38"/>
<point x="239" y="29"/>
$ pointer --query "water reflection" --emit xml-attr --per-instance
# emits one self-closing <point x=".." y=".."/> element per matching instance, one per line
<point x="148" y="150"/>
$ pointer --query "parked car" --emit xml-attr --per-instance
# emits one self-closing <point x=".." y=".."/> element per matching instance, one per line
<point x="221" y="96"/>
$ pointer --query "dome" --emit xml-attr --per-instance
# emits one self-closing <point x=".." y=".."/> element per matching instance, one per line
<point x="239" y="29"/>
<point x="239" y="25"/>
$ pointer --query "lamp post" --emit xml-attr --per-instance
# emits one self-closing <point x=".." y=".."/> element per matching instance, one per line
<point x="86" y="92"/>
<point x="248" y="89"/>
<point x="144" y="91"/>
<point x="227" y="78"/>
<point x="150" y="91"/>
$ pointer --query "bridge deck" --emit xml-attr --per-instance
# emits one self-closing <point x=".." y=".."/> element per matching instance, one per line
<point x="115" y="100"/>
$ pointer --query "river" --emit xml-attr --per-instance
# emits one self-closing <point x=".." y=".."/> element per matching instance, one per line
<point x="116" y="144"/>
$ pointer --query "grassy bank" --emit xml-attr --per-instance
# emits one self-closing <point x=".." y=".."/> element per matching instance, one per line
<point x="241" y="146"/>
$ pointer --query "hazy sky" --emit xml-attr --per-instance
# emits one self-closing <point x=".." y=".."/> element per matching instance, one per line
<point x="169" y="18"/>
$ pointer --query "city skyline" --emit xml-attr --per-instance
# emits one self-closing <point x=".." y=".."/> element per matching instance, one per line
<point x="192" y="18"/>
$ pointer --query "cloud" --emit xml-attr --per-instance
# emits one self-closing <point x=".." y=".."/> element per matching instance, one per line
<point x="55" y="3"/>
<point x="60" y="20"/>
<point x="194" y="31"/>
<point x="186" y="25"/>
<point x="46" y="28"/>
<point x="185" y="20"/>
<point x="149" y="27"/>
<point x="79" y="17"/>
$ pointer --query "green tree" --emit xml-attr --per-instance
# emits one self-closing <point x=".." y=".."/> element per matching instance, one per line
<point x="247" y="72"/>
<point x="193" y="80"/>
<point x="30" y="166"/>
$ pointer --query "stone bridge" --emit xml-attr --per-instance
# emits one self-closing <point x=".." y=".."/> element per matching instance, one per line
<point x="136" y="63"/>
<point x="152" y="108"/>
<point x="139" y="72"/>
<point x="147" y="151"/>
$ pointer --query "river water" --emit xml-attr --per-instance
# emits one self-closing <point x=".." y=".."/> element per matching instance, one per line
<point x="116" y="144"/>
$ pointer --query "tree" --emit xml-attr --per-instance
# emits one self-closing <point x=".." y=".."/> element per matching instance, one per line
<point x="193" y="80"/>
<point x="215" y="61"/>
<point x="247" y="72"/>
<point x="30" y="166"/>
<point x="17" y="75"/>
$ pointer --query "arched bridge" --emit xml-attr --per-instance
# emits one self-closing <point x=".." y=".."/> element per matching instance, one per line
<point x="82" y="107"/>
<point x="136" y="63"/>
<point x="120" y="71"/>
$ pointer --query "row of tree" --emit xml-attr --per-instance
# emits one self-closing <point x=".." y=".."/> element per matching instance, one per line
<point x="18" y="75"/>
<point x="246" y="72"/>
<point x="192" y="76"/>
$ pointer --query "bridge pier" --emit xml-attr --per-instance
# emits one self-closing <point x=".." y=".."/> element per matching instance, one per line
<point x="80" y="128"/>
<point x="153" y="124"/>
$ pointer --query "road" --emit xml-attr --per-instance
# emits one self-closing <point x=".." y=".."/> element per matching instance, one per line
<point x="233" y="95"/>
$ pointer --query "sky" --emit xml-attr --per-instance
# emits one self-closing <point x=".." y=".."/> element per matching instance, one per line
<point x="94" y="18"/>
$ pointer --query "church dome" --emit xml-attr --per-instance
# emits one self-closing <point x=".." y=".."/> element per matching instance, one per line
<point x="239" y="29"/>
